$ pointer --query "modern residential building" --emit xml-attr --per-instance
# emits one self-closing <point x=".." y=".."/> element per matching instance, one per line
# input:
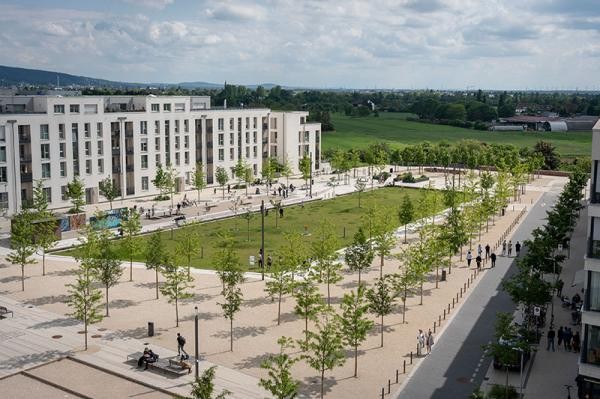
<point x="55" y="138"/>
<point x="589" y="364"/>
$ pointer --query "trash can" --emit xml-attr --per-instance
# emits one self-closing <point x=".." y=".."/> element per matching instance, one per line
<point x="391" y="170"/>
<point x="443" y="275"/>
<point x="151" y="329"/>
<point x="503" y="210"/>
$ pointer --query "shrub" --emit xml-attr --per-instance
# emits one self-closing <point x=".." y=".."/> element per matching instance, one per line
<point x="499" y="392"/>
<point x="408" y="178"/>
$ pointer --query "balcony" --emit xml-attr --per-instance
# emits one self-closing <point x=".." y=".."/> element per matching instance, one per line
<point x="129" y="168"/>
<point x="24" y="138"/>
<point x="593" y="249"/>
<point x="26" y="177"/>
<point x="594" y="197"/>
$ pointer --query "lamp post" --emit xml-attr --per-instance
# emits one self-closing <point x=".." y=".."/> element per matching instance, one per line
<point x="196" y="340"/>
<point x="262" y="238"/>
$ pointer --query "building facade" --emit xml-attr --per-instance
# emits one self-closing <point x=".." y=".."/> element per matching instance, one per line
<point x="589" y="364"/>
<point x="126" y="138"/>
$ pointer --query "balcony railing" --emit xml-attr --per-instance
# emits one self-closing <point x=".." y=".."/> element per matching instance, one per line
<point x="593" y="249"/>
<point x="26" y="177"/>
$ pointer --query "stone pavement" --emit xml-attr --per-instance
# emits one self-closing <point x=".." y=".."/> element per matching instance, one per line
<point x="34" y="337"/>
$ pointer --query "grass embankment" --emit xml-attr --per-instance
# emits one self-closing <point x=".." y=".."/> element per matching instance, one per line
<point x="394" y="129"/>
<point x="342" y="212"/>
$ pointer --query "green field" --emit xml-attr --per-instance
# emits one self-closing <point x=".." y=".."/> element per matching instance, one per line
<point x="394" y="129"/>
<point x="342" y="211"/>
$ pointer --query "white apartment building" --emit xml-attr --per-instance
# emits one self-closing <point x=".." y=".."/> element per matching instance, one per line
<point x="54" y="139"/>
<point x="589" y="363"/>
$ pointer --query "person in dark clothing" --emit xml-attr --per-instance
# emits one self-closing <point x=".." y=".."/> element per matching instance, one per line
<point x="487" y="251"/>
<point x="567" y="336"/>
<point x="493" y="259"/>
<point x="550" y="336"/>
<point x="180" y="344"/>
<point x="518" y="248"/>
<point x="228" y="188"/>
<point x="280" y="212"/>
<point x="478" y="261"/>
<point x="576" y="342"/>
<point x="559" y="287"/>
<point x="560" y="336"/>
<point x="269" y="262"/>
<point x="469" y="257"/>
<point x="147" y="357"/>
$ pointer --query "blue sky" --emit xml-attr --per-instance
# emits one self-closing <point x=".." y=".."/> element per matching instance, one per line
<point x="440" y="44"/>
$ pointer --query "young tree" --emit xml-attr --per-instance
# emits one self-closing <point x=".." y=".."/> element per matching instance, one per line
<point x="199" y="178"/>
<point x="308" y="302"/>
<point x="108" y="190"/>
<point x="407" y="278"/>
<point x="156" y="255"/>
<point x="280" y="283"/>
<point x="280" y="382"/>
<point x="268" y="171"/>
<point x="384" y="239"/>
<point x="286" y="170"/>
<point x="360" y="187"/>
<point x="248" y="216"/>
<point x="177" y="283"/>
<point x="232" y="296"/>
<point x="277" y="205"/>
<point x="226" y="262"/>
<point x="21" y="242"/>
<point x="406" y="213"/>
<point x="44" y="223"/>
<point x="354" y="323"/>
<point x="131" y="226"/>
<point x="239" y="171"/>
<point x="76" y="193"/>
<point x="327" y="269"/>
<point x="294" y="254"/>
<point x="324" y="350"/>
<point x="222" y="178"/>
<point x="187" y="245"/>
<point x="359" y="254"/>
<point x="381" y="299"/>
<point x="107" y="266"/>
<point x="204" y="386"/>
<point x="248" y="178"/>
<point x="164" y="181"/>
<point x="305" y="166"/>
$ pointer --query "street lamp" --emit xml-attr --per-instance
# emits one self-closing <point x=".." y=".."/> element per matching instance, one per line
<point x="196" y="339"/>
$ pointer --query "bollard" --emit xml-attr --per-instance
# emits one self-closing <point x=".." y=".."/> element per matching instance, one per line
<point x="440" y="320"/>
<point x="382" y="393"/>
<point x="411" y="357"/>
<point x="444" y="314"/>
<point x="389" y="386"/>
<point x="468" y="283"/>
<point x="202" y="253"/>
<point x="396" y="376"/>
<point x="404" y="367"/>
<point x="344" y="231"/>
<point x="457" y="297"/>
<point x="452" y="303"/>
<point x="434" y="327"/>
<point x="465" y="287"/>
<point x="448" y="308"/>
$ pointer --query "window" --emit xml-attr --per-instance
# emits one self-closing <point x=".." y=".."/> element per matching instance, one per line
<point x="247" y="122"/>
<point x="99" y="129"/>
<point x="45" y="151"/>
<point x="74" y="131"/>
<point x="177" y="126"/>
<point x="254" y="122"/>
<point x="63" y="193"/>
<point x="157" y="159"/>
<point x="4" y="200"/>
<point x="186" y="125"/>
<point x="231" y="123"/>
<point x="186" y="157"/>
<point x="167" y="107"/>
<point x="593" y="292"/>
<point x="86" y="130"/>
<point x="45" y="171"/>
<point x="62" y="150"/>
<point x="88" y="148"/>
<point x="63" y="169"/>
<point x="231" y="139"/>
<point x="143" y="127"/>
<point x="255" y="151"/>
<point x="231" y="154"/>
<point x="3" y="175"/>
<point x="44" y="132"/>
<point x="2" y="133"/>
<point x="273" y="123"/>
<point x="157" y="144"/>
<point x="59" y="109"/>
<point x="74" y="108"/>
<point x="48" y="194"/>
<point x="145" y="183"/>
<point x="144" y="145"/>
<point x="90" y="109"/>
<point x="254" y="137"/>
<point x="2" y="154"/>
<point x="220" y="124"/>
<point x="88" y="166"/>
<point x="155" y="107"/>
<point x="186" y="142"/>
<point x="100" y="166"/>
<point x="247" y="152"/>
<point x="177" y="141"/>
<point x="166" y="127"/>
<point x="221" y="139"/>
<point x="221" y="154"/>
<point x="156" y="127"/>
<point x="591" y="353"/>
<point x="61" y="131"/>
<point x="179" y="107"/>
<point x="306" y="136"/>
<point x="100" y="145"/>
<point x="144" y="161"/>
<point x="177" y="159"/>
<point x="247" y="138"/>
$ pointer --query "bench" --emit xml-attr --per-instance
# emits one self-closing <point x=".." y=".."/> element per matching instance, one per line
<point x="4" y="311"/>
<point x="209" y="206"/>
<point x="168" y="366"/>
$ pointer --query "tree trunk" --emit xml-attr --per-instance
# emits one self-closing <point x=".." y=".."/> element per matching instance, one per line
<point x="405" y="234"/>
<point x="355" y="361"/>
<point x="381" y="266"/>
<point x="359" y="199"/>
<point x="22" y="277"/>
<point x="231" y="334"/>
<point x="450" y="263"/>
<point x="131" y="269"/>
<point x="44" y="263"/>
<point x="248" y="229"/>
<point x="156" y="274"/>
<point x="279" y="309"/>
<point x="381" y="331"/>
<point x="306" y="328"/>
<point x="198" y="195"/>
<point x="110" y="202"/>
<point x="85" y="327"/>
<point x="322" y="381"/>
<point x="421" y="292"/>
<point x="404" y="308"/>
<point x="176" y="312"/>
<point x="437" y="276"/>
<point x="359" y="277"/>
<point x="328" y="294"/>
<point x="107" y="301"/>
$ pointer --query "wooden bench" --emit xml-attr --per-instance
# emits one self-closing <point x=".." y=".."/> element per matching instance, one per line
<point x="168" y="366"/>
<point x="209" y="206"/>
<point x="4" y="311"/>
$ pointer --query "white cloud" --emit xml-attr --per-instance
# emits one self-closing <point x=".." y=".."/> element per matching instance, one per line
<point x="156" y="4"/>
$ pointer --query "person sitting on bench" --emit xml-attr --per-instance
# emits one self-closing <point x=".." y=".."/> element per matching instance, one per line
<point x="147" y="357"/>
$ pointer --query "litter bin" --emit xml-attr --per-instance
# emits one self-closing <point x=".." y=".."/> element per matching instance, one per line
<point x="391" y="170"/>
<point x="151" y="329"/>
<point x="503" y="210"/>
<point x="443" y="275"/>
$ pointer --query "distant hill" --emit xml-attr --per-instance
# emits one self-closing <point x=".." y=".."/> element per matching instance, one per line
<point x="13" y="76"/>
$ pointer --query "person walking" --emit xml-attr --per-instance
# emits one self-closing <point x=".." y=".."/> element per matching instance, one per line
<point x="430" y="341"/>
<point x="550" y="336"/>
<point x="478" y="261"/>
<point x="559" y="287"/>
<point x="487" y="251"/>
<point x="504" y="248"/>
<point x="180" y="344"/>
<point x="568" y="336"/>
<point x="269" y="262"/>
<point x="281" y="212"/>
<point x="420" y="343"/>
<point x="517" y="248"/>
<point x="576" y="342"/>
<point x="509" y="248"/>
<point x="469" y="258"/>
<point x="493" y="259"/>
<point x="560" y="335"/>
<point x="479" y="250"/>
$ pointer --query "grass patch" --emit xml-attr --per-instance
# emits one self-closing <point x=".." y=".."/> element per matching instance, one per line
<point x="342" y="211"/>
<point x="394" y="129"/>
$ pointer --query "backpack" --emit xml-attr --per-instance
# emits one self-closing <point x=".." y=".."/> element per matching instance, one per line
<point x="181" y="340"/>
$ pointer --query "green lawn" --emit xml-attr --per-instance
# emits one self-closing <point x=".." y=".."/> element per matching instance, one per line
<point x="397" y="131"/>
<point x="342" y="211"/>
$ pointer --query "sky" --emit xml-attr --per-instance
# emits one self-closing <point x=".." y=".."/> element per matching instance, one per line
<point x="403" y="44"/>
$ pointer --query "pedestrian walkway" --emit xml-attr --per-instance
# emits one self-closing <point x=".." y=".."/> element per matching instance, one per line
<point x="34" y="337"/>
